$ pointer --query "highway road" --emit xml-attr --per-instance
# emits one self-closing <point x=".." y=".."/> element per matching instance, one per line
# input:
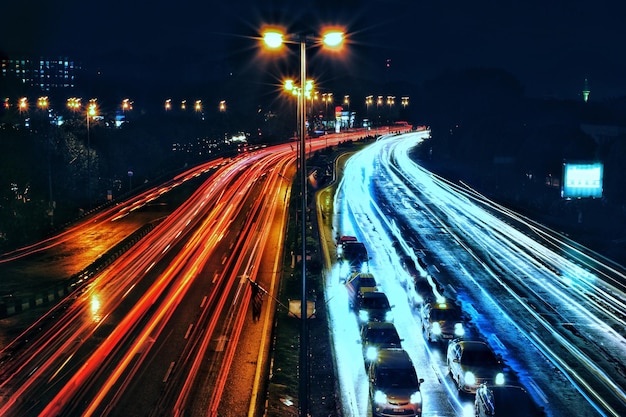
<point x="553" y="310"/>
<point x="105" y="339"/>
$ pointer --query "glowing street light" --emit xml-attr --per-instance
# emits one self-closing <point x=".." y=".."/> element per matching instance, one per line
<point x="23" y="104"/>
<point x="168" y="104"/>
<point x="308" y="88"/>
<point x="42" y="102"/>
<point x="405" y="101"/>
<point x="198" y="105"/>
<point x="92" y="111"/>
<point x="289" y="85"/>
<point x="183" y="105"/>
<point x="274" y="39"/>
<point x="327" y="98"/>
<point x="73" y="104"/>
<point x="127" y="105"/>
<point x="222" y="106"/>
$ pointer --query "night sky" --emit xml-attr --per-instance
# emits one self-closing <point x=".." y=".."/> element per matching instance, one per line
<point x="550" y="46"/>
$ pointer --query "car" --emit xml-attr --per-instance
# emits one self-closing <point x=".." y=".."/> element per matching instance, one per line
<point x="374" y="306"/>
<point x="377" y="335"/>
<point x="358" y="284"/>
<point x="442" y="322"/>
<point x="394" y="385"/>
<point x="345" y="238"/>
<point x="354" y="253"/>
<point x="472" y="363"/>
<point x="505" y="400"/>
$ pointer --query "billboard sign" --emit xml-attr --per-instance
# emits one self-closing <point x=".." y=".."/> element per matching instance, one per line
<point x="582" y="180"/>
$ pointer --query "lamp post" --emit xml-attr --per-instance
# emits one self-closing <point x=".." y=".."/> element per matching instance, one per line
<point x="43" y="104"/>
<point x="326" y="98"/>
<point x="91" y="112"/>
<point x="346" y="101"/>
<point x="275" y="39"/>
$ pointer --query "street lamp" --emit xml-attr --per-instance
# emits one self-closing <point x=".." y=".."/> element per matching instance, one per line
<point x="43" y="104"/>
<point x="346" y="101"/>
<point x="73" y="103"/>
<point x="127" y="105"/>
<point x="92" y="111"/>
<point x="327" y="98"/>
<point x="274" y="39"/>
<point x="23" y="104"/>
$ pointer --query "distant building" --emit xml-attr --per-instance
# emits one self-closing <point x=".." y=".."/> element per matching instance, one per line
<point x="586" y="91"/>
<point x="44" y="73"/>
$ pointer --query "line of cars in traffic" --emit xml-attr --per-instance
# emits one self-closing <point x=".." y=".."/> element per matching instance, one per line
<point x="394" y="386"/>
<point x="471" y="362"/>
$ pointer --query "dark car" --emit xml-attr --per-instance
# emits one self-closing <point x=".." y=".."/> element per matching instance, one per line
<point x="358" y="284"/>
<point x="394" y="385"/>
<point x="505" y="400"/>
<point x="376" y="336"/>
<point x="472" y="363"/>
<point x="355" y="253"/>
<point x="374" y="306"/>
<point x="442" y="322"/>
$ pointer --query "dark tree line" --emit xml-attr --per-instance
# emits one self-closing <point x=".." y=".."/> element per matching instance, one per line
<point x="484" y="130"/>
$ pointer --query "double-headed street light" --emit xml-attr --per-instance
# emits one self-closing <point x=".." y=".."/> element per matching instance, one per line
<point x="43" y="103"/>
<point x="327" y="98"/>
<point x="274" y="38"/>
<point x="92" y="111"/>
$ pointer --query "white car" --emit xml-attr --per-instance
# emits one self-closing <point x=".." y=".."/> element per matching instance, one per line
<point x="472" y="363"/>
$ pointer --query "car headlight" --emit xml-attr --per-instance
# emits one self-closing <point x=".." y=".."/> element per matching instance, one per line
<point x="364" y="315"/>
<point x="470" y="378"/>
<point x="371" y="353"/>
<point x="436" y="328"/>
<point x="416" y="398"/>
<point x="389" y="316"/>
<point x="458" y="329"/>
<point x="499" y="379"/>
<point x="380" y="397"/>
